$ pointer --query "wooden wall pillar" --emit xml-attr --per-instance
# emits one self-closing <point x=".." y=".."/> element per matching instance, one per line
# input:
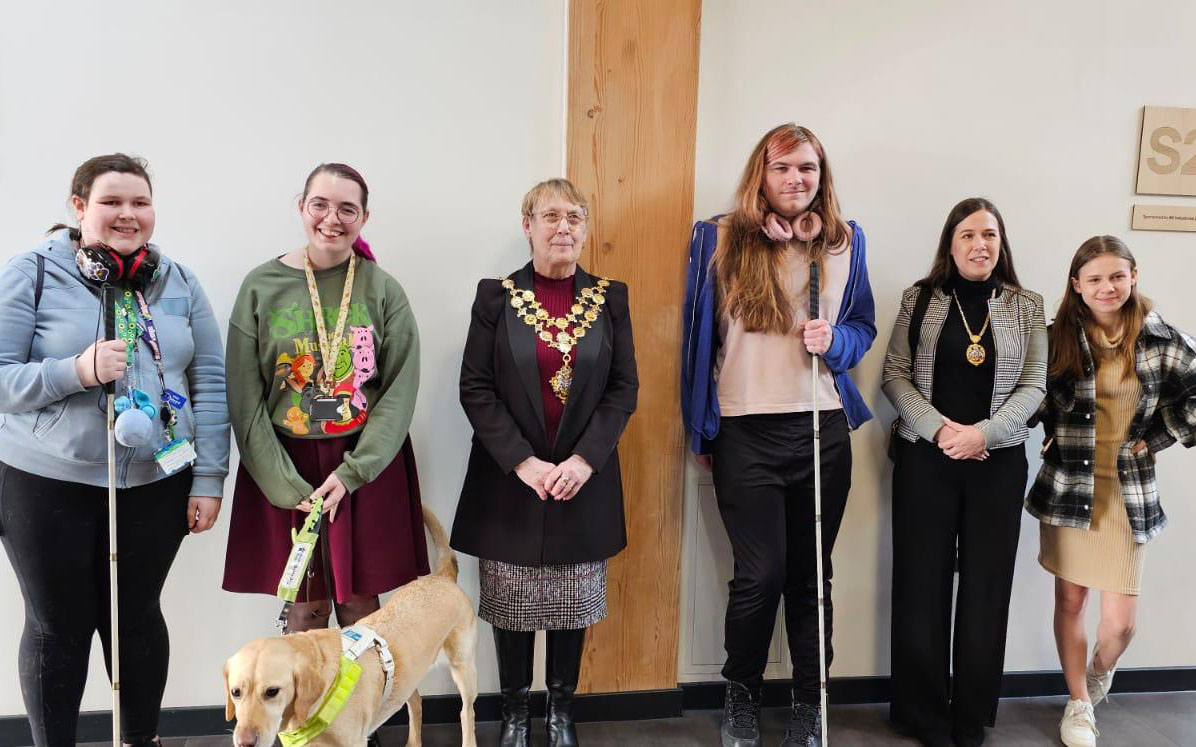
<point x="632" y="110"/>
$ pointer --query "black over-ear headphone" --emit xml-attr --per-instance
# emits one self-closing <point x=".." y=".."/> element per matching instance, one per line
<point x="102" y="264"/>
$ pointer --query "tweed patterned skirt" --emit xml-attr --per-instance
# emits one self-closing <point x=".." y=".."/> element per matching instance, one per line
<point x="547" y="597"/>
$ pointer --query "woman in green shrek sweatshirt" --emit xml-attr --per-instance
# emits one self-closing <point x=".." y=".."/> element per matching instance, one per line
<point x="323" y="367"/>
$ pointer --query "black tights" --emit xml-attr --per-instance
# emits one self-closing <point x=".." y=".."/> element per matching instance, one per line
<point x="56" y="537"/>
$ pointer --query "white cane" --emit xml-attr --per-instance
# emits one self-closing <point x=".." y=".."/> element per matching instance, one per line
<point x="814" y="281"/>
<point x="107" y="300"/>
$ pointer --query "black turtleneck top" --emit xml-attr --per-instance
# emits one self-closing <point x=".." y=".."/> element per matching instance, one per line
<point x="964" y="392"/>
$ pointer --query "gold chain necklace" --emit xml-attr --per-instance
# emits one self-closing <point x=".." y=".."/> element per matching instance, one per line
<point x="975" y="352"/>
<point x="569" y="329"/>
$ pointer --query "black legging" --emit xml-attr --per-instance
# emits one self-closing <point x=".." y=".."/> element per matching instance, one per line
<point x="56" y="537"/>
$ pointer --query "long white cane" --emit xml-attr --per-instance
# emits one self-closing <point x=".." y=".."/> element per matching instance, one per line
<point x="107" y="300"/>
<point x="814" y="281"/>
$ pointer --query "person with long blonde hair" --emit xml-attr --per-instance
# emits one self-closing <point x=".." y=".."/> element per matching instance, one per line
<point x="1121" y="387"/>
<point x="747" y="399"/>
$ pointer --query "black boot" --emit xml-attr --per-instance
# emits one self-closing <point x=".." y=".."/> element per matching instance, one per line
<point x="515" y="649"/>
<point x="741" y="716"/>
<point x="805" y="726"/>
<point x="564" y="667"/>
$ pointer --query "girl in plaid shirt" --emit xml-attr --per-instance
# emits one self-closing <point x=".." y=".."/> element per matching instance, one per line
<point x="1121" y="386"/>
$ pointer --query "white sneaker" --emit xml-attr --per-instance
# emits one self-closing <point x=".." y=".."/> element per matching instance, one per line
<point x="1098" y="684"/>
<point x="1078" y="727"/>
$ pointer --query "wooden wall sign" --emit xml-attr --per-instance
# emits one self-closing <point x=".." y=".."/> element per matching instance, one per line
<point x="1164" y="218"/>
<point x="1167" y="153"/>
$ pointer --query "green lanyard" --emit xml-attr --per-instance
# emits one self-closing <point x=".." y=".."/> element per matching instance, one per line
<point x="127" y="329"/>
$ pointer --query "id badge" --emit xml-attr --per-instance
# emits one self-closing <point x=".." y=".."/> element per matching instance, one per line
<point x="329" y="409"/>
<point x="292" y="575"/>
<point x="175" y="455"/>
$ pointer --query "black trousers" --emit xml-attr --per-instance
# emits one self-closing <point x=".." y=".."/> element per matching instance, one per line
<point x="56" y="537"/>
<point x="764" y="479"/>
<point x="939" y="505"/>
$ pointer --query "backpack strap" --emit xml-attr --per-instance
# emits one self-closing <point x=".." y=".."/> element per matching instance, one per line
<point x="915" y="321"/>
<point x="41" y="281"/>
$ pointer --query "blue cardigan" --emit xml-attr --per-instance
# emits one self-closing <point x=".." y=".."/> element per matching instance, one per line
<point x="854" y="331"/>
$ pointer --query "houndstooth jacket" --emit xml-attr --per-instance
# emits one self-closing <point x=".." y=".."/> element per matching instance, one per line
<point x="1062" y="494"/>
<point x="1019" y="384"/>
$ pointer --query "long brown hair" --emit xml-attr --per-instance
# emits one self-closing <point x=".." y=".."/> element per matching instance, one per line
<point x="748" y="265"/>
<point x="1066" y="360"/>
<point x="943" y="270"/>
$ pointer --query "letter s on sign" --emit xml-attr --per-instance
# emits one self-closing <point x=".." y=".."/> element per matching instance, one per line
<point x="1156" y="138"/>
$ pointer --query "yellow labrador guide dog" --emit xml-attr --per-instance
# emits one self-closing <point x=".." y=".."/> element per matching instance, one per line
<point x="331" y="687"/>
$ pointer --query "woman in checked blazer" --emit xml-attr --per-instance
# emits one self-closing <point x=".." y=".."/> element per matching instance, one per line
<point x="963" y="395"/>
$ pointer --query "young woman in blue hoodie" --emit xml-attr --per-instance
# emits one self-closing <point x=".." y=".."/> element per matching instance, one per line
<point x="168" y="366"/>
<point x="747" y="399"/>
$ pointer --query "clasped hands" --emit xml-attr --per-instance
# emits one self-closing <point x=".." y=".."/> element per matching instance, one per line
<point x="559" y="482"/>
<point x="961" y="441"/>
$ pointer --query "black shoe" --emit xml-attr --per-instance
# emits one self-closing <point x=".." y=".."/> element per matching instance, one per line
<point x="805" y="726"/>
<point x="515" y="649"/>
<point x="373" y="740"/>
<point x="741" y="716"/>
<point x="564" y="649"/>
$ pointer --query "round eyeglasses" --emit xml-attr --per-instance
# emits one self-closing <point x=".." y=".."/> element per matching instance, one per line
<point x="346" y="213"/>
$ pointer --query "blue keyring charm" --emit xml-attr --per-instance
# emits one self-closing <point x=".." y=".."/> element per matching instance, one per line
<point x="120" y="404"/>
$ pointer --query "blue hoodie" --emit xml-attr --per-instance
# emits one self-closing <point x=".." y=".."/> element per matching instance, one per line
<point x="50" y="425"/>
<point x="854" y="331"/>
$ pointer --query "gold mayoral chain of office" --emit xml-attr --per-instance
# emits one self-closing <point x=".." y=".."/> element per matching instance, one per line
<point x="975" y="352"/>
<point x="560" y="332"/>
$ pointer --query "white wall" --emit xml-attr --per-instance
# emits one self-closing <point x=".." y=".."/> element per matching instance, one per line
<point x="1035" y="105"/>
<point x="451" y="110"/>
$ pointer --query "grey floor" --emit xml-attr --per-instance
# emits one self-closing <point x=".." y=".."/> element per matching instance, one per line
<point x="1139" y="720"/>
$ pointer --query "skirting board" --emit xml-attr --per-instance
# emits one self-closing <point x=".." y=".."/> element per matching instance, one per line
<point x="627" y="706"/>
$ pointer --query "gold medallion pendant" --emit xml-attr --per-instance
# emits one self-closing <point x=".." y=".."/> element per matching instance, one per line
<point x="976" y="352"/>
<point x="562" y="380"/>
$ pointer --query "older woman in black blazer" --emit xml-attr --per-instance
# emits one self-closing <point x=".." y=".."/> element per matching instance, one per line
<point x="548" y="381"/>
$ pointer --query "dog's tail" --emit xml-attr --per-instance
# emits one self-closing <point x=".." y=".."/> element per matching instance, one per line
<point x="446" y="559"/>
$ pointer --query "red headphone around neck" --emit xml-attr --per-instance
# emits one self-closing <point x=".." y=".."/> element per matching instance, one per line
<point x="102" y="264"/>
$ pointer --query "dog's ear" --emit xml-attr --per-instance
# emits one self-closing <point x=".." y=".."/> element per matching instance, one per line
<point x="230" y="708"/>
<point x="308" y="686"/>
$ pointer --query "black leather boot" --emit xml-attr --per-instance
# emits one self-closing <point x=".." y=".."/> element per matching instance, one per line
<point x="564" y="667"/>
<point x="515" y="649"/>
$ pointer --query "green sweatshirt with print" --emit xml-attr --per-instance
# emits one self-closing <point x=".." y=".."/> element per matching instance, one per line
<point x="274" y="359"/>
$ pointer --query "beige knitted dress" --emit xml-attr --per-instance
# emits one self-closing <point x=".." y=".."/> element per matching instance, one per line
<point x="1104" y="556"/>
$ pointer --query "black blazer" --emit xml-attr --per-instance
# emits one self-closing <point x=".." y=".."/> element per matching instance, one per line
<point x="498" y="516"/>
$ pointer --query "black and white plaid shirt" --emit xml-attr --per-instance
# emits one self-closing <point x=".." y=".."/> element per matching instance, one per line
<point x="1165" y="363"/>
<point x="1019" y="383"/>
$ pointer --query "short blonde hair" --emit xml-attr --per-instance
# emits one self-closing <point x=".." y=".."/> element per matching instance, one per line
<point x="554" y="188"/>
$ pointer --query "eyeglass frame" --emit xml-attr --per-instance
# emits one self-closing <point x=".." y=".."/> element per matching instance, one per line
<point x="564" y="216"/>
<point x="307" y="207"/>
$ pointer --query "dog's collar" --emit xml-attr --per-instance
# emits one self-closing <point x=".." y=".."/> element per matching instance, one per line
<point x="355" y="641"/>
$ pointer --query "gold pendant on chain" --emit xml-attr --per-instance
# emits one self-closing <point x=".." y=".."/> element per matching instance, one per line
<point x="561" y="380"/>
<point x="976" y="352"/>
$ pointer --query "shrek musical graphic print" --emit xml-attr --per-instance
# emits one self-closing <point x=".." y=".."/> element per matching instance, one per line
<point x="297" y="369"/>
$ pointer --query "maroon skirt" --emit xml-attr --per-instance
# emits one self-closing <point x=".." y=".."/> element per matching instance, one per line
<point x="376" y="543"/>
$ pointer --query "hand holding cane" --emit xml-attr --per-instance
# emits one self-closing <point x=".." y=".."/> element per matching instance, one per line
<point x="107" y="301"/>
<point x="814" y="283"/>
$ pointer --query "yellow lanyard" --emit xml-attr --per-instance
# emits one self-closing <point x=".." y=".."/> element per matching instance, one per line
<point x="329" y="348"/>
